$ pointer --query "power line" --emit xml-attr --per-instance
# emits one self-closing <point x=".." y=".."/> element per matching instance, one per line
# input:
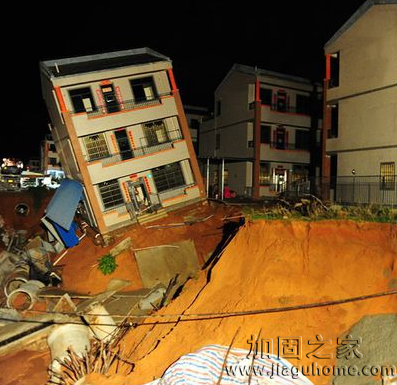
<point x="205" y="316"/>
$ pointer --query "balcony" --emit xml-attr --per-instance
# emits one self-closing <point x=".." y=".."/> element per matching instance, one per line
<point x="172" y="136"/>
<point x="100" y="119"/>
<point x="286" y="152"/>
<point x="120" y="106"/>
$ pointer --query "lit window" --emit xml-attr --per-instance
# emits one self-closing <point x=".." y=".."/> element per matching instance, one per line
<point x="264" y="176"/>
<point x="388" y="176"/>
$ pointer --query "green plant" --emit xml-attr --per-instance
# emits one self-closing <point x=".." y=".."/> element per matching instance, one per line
<point x="107" y="264"/>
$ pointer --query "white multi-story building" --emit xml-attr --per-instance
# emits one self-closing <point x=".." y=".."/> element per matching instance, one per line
<point x="265" y="131"/>
<point x="360" y="129"/>
<point x="120" y="129"/>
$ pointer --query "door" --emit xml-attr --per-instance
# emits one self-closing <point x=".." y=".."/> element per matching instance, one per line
<point x="280" y="178"/>
<point x="281" y="101"/>
<point x="140" y="197"/>
<point x="109" y="95"/>
<point x="280" y="138"/>
<point x="124" y="144"/>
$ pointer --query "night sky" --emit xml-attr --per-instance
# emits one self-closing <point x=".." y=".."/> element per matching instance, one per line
<point x="203" y="39"/>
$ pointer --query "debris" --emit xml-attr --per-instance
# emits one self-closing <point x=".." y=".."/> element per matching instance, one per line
<point x="25" y="296"/>
<point x="123" y="245"/>
<point x="159" y="265"/>
<point x="194" y="368"/>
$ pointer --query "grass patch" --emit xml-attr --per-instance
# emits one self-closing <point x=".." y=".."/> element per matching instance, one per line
<point x="107" y="264"/>
<point x="311" y="208"/>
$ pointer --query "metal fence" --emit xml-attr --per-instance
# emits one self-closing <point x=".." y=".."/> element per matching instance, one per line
<point x="347" y="190"/>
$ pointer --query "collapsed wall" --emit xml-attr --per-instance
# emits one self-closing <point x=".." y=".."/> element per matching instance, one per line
<point x="273" y="264"/>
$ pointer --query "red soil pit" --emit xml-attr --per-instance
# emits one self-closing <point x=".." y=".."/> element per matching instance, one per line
<point x="273" y="264"/>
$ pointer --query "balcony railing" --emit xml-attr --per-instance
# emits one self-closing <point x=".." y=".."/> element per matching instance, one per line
<point x="174" y="192"/>
<point x="287" y="146"/>
<point x="145" y="149"/>
<point x="125" y="105"/>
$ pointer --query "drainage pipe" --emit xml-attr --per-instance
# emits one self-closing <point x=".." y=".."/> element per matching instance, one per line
<point x="25" y="296"/>
<point x="16" y="278"/>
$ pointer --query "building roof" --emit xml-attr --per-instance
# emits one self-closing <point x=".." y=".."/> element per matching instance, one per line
<point x="356" y="15"/>
<point x="255" y="71"/>
<point x="91" y="63"/>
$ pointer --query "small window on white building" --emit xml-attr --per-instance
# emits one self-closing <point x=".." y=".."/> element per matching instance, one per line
<point x="388" y="176"/>
<point x="82" y="100"/>
<point x="155" y="132"/>
<point x="144" y="89"/>
<point x="96" y="146"/>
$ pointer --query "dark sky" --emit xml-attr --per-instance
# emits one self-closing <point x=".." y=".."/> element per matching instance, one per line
<point x="203" y="38"/>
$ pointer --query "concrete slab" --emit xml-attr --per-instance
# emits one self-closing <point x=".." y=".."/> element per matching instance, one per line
<point x="160" y="265"/>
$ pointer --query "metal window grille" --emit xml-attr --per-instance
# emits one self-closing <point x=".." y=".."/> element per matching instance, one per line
<point x="168" y="177"/>
<point x="155" y="133"/>
<point x="110" y="193"/>
<point x="387" y="176"/>
<point x="96" y="146"/>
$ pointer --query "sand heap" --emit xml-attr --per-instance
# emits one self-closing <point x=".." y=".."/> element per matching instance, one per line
<point x="273" y="264"/>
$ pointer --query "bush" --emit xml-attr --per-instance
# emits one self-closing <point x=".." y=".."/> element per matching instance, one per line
<point x="107" y="264"/>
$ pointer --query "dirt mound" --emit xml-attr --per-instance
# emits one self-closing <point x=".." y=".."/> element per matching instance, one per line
<point x="272" y="264"/>
<point x="79" y="268"/>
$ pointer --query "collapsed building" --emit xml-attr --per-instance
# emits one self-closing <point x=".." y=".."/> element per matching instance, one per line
<point x="120" y="130"/>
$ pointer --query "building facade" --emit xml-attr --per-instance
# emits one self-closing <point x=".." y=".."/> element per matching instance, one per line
<point x="49" y="158"/>
<point x="265" y="133"/>
<point x="119" y="128"/>
<point x="360" y="130"/>
<point x="195" y="116"/>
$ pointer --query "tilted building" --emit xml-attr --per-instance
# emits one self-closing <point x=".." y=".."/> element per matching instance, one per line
<point x="119" y="128"/>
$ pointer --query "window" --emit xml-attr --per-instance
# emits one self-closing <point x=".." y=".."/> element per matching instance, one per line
<point x="250" y="144"/>
<point x="265" y="134"/>
<point x="264" y="175"/>
<point x="334" y="80"/>
<point x="299" y="173"/>
<point x="302" y="140"/>
<point x="217" y="141"/>
<point x="266" y="96"/>
<point x="110" y="193"/>
<point x="168" y="177"/>
<point x="194" y="124"/>
<point x="282" y="101"/>
<point x="218" y="108"/>
<point x="334" y="121"/>
<point x="388" y="176"/>
<point x="52" y="161"/>
<point x="82" y="100"/>
<point x="52" y="148"/>
<point x="303" y="104"/>
<point x="96" y="146"/>
<point x="143" y="89"/>
<point x="155" y="133"/>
